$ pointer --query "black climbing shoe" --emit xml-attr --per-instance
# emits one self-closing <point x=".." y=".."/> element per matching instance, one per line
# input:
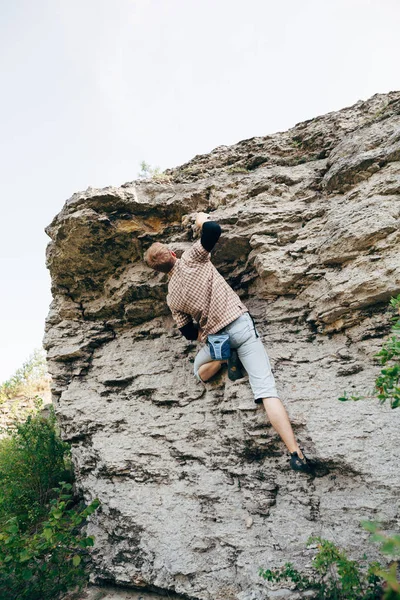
<point x="301" y="464"/>
<point x="234" y="366"/>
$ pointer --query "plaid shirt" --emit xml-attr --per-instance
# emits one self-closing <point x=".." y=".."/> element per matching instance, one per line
<point x="197" y="291"/>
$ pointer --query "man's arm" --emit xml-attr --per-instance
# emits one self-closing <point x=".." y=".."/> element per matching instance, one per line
<point x="210" y="231"/>
<point x="190" y="331"/>
<point x="185" y="324"/>
<point x="200" y="250"/>
<point x="210" y="235"/>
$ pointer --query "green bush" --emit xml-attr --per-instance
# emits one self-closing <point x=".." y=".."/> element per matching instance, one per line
<point x="336" y="577"/>
<point x="387" y="384"/>
<point x="155" y="173"/>
<point x="43" y="553"/>
<point x="389" y="545"/>
<point x="45" y="564"/>
<point x="33" y="459"/>
<point x="147" y="171"/>
<point x="31" y="376"/>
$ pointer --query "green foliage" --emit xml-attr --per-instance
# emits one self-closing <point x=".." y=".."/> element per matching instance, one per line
<point x="288" y="573"/>
<point x="336" y="577"/>
<point x="43" y="553"/>
<point x="387" y="384"/>
<point x="33" y="459"/>
<point x="342" y="577"/>
<point x="19" y="409"/>
<point x="44" y="564"/>
<point x="296" y="142"/>
<point x="149" y="172"/>
<point x="237" y="169"/>
<point x="389" y="545"/>
<point x="32" y="372"/>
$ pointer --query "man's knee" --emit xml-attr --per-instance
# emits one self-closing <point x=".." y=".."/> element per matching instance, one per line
<point x="270" y="399"/>
<point x="208" y="369"/>
<point x="201" y="358"/>
<point x="199" y="371"/>
<point x="196" y="373"/>
<point x="203" y="374"/>
<point x="272" y="403"/>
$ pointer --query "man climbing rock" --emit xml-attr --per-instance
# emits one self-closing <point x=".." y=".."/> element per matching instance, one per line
<point x="202" y="303"/>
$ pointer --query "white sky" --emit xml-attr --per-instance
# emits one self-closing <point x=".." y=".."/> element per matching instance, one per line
<point x="89" y="88"/>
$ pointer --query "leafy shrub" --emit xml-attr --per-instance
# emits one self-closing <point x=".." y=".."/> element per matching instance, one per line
<point x="387" y="384"/>
<point x="33" y="459"/>
<point x="336" y="577"/>
<point x="42" y="551"/>
<point x="45" y="564"/>
<point x="149" y="172"/>
<point x="31" y="377"/>
<point x="389" y="545"/>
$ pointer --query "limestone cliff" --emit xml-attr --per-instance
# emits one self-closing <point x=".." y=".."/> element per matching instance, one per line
<point x="195" y="486"/>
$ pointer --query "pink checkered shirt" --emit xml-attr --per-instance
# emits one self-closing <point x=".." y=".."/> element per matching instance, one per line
<point x="196" y="291"/>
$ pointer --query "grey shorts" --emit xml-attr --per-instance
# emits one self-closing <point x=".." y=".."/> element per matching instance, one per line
<point x="252" y="354"/>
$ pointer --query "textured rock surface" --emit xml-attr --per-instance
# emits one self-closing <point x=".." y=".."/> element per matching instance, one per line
<point x="195" y="487"/>
<point x="94" y="592"/>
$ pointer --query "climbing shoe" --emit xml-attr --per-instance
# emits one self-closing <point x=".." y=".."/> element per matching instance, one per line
<point x="301" y="464"/>
<point x="234" y="366"/>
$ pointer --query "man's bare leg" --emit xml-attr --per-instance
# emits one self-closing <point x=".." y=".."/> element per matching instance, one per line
<point x="274" y="408"/>
<point x="209" y="369"/>
<point x="279" y="419"/>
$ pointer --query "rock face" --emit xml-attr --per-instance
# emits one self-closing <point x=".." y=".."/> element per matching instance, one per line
<point x="195" y="486"/>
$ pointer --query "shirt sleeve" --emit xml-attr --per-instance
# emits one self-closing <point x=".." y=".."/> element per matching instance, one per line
<point x="200" y="251"/>
<point x="210" y="235"/>
<point x="190" y="331"/>
<point x="181" y="319"/>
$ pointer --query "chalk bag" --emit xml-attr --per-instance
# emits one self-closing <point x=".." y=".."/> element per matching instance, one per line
<point x="220" y="348"/>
